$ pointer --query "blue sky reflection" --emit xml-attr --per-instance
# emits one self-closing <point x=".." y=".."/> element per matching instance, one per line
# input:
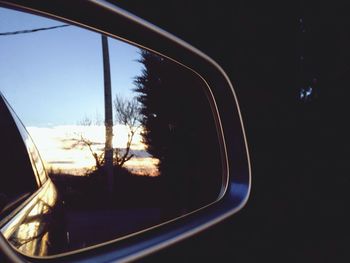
<point x="55" y="77"/>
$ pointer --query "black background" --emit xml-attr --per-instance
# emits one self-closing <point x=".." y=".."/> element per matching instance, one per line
<point x="297" y="210"/>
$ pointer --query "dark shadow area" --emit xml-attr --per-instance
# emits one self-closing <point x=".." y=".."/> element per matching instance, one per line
<point x="13" y="165"/>
<point x="180" y="131"/>
<point x="298" y="207"/>
<point x="93" y="215"/>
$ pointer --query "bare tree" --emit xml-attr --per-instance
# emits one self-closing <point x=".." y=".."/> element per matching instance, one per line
<point x="80" y="140"/>
<point x="127" y="113"/>
<point x="86" y="121"/>
<point x="99" y="157"/>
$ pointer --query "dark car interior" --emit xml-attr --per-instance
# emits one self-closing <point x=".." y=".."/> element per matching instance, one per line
<point x="14" y="165"/>
<point x="298" y="209"/>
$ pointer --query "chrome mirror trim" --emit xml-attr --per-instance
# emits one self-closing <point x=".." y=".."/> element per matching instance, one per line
<point x="166" y="44"/>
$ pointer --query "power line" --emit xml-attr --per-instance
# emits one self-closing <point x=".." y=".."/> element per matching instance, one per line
<point x="31" y="30"/>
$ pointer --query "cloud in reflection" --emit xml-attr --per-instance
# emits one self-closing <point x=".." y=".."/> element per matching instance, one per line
<point x="56" y="146"/>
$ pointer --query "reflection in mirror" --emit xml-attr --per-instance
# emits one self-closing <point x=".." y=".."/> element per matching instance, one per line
<point x="37" y="230"/>
<point x="128" y="137"/>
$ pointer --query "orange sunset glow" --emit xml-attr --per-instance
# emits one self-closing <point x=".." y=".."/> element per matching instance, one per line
<point x="60" y="153"/>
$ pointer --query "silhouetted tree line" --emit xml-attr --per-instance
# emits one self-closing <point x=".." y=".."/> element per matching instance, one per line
<point x="179" y="130"/>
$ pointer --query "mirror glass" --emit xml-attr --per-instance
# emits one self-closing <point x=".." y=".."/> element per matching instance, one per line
<point x="128" y="138"/>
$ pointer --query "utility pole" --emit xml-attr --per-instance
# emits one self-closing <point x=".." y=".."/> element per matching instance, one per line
<point x="108" y="166"/>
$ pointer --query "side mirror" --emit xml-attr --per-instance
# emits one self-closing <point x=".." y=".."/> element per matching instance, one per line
<point x="168" y="159"/>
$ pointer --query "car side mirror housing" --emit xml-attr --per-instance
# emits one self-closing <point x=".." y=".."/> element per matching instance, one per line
<point x="190" y="128"/>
